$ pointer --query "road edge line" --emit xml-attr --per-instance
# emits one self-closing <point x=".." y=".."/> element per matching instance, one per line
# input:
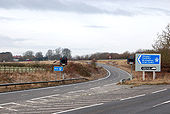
<point x="78" y="108"/>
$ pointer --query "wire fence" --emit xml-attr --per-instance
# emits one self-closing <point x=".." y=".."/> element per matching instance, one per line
<point x="11" y="69"/>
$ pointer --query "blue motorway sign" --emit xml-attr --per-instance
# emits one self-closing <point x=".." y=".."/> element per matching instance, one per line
<point x="148" y="59"/>
<point x="57" y="68"/>
<point x="148" y="62"/>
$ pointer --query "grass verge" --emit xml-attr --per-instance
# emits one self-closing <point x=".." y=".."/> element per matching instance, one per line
<point x="162" y="77"/>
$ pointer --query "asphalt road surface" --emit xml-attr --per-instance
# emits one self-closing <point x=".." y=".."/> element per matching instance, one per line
<point x="101" y="96"/>
<point x="156" y="103"/>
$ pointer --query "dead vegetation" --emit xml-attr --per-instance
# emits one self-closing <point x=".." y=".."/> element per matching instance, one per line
<point x="162" y="77"/>
<point x="72" y="70"/>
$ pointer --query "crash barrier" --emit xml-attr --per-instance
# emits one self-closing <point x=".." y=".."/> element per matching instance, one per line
<point x="30" y="85"/>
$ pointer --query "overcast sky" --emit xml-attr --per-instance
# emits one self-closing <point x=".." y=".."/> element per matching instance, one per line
<point x="84" y="26"/>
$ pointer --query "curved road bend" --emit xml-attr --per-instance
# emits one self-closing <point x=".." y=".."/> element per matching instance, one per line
<point x="18" y="97"/>
<point x="99" y="96"/>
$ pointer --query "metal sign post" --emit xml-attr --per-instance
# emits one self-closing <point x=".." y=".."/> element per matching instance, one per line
<point x="131" y="63"/>
<point x="131" y="60"/>
<point x="63" y="75"/>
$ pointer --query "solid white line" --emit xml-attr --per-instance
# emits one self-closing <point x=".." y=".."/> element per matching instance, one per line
<point x="166" y="102"/>
<point x="78" y="108"/>
<point x="159" y="91"/>
<point x="132" y="97"/>
<point x="110" y="84"/>
<point x="76" y="91"/>
<point x="8" y="103"/>
<point x="45" y="97"/>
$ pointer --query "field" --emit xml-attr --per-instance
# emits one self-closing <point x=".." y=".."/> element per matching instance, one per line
<point x="162" y="77"/>
<point x="43" y="71"/>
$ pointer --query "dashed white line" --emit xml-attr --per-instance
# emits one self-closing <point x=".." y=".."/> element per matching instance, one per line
<point x="132" y="97"/>
<point x="45" y="97"/>
<point x="110" y="84"/>
<point x="95" y="88"/>
<point x="76" y="91"/>
<point x="159" y="91"/>
<point x="166" y="102"/>
<point x="78" y="108"/>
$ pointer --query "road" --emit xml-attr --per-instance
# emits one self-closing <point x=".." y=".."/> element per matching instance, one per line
<point x="156" y="103"/>
<point x="99" y="96"/>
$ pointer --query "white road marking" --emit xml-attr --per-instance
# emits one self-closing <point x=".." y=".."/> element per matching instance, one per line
<point x="132" y="97"/>
<point x="95" y="88"/>
<point x="10" y="103"/>
<point x="166" y="102"/>
<point x="110" y="84"/>
<point x="159" y="91"/>
<point x="76" y="91"/>
<point x="78" y="108"/>
<point x="55" y="95"/>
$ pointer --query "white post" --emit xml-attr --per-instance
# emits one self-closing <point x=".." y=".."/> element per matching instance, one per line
<point x="143" y="75"/>
<point x="154" y="75"/>
<point x="63" y="72"/>
<point x="60" y="75"/>
<point x="63" y="75"/>
<point x="131" y="72"/>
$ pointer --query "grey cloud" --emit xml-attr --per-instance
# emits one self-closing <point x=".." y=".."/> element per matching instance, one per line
<point x="78" y="6"/>
<point x="60" y="5"/>
<point x="164" y="11"/>
<point x="114" y="7"/>
<point x="9" y="42"/>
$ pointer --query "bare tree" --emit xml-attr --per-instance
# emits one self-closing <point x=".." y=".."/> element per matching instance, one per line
<point x="49" y="54"/>
<point x="58" y="53"/>
<point x="162" y="45"/>
<point x="28" y="55"/>
<point x="66" y="52"/>
<point x="163" y="40"/>
<point x="39" y="56"/>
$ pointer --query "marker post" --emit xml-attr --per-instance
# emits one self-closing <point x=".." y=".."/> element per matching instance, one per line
<point x="143" y="75"/>
<point x="154" y="75"/>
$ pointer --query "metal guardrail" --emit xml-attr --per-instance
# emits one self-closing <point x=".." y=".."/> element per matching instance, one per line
<point x="13" y="84"/>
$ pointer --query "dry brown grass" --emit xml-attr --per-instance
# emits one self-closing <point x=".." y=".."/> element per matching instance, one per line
<point x="77" y="70"/>
<point x="72" y="70"/>
<point x="161" y="77"/>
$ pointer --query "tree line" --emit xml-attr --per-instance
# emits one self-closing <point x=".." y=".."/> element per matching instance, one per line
<point x="38" y="56"/>
<point x="50" y="55"/>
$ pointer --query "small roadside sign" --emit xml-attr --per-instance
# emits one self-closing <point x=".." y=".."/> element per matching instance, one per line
<point x="57" y="68"/>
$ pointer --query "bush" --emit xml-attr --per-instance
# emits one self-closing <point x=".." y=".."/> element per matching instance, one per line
<point x="77" y="68"/>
